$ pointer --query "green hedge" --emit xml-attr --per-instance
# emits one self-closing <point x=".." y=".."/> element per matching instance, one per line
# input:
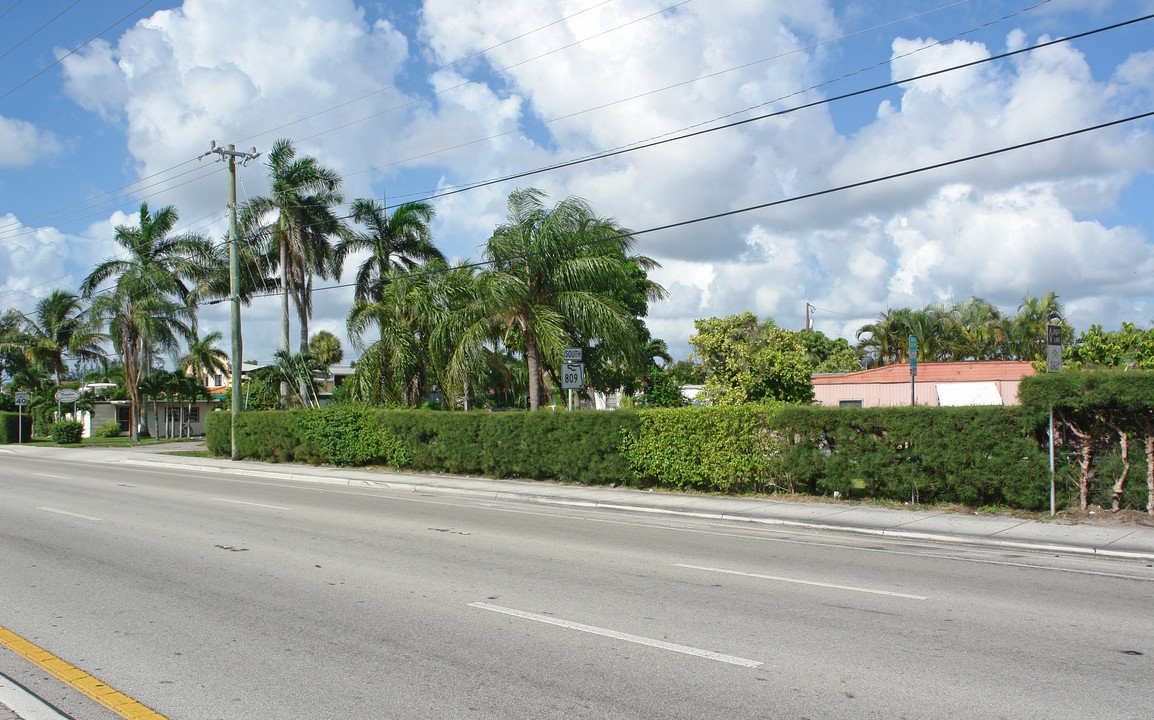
<point x="974" y="456"/>
<point x="10" y="427"/>
<point x="271" y="436"/>
<point x="579" y="447"/>
<point x="712" y="449"/>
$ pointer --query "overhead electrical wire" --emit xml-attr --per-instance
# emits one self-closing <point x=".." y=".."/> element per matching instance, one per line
<point x="718" y="73"/>
<point x="766" y="205"/>
<point x="32" y="34"/>
<point x="78" y="48"/>
<point x="52" y="214"/>
<point x="778" y="113"/>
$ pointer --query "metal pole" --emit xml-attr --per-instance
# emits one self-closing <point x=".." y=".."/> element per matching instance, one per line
<point x="570" y="399"/>
<point x="20" y="430"/>
<point x="1051" y="460"/>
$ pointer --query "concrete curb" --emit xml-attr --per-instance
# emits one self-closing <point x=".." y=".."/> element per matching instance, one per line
<point x="885" y="532"/>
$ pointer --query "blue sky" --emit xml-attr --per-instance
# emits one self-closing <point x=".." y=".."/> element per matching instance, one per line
<point x="405" y="98"/>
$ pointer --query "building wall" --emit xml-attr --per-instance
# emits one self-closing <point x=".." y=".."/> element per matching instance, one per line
<point x="830" y="394"/>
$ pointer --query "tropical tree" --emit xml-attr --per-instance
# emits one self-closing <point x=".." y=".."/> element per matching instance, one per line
<point x="139" y="323"/>
<point x="149" y="305"/>
<point x="326" y="348"/>
<point x="203" y="358"/>
<point x="294" y="223"/>
<point x="554" y="276"/>
<point x="1026" y="331"/>
<point x="747" y="361"/>
<point x="59" y="328"/>
<point x="153" y="387"/>
<point x="399" y="241"/>
<point x="416" y="320"/>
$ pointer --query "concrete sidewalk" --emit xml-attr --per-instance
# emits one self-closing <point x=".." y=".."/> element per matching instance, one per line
<point x="1106" y="539"/>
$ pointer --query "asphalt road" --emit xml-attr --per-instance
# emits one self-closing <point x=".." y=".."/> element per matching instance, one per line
<point x="218" y="597"/>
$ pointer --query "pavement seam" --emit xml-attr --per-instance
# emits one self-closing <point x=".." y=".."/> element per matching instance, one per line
<point x="888" y="532"/>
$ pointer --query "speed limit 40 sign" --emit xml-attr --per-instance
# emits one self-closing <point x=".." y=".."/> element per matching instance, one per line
<point x="21" y="398"/>
<point x="572" y="376"/>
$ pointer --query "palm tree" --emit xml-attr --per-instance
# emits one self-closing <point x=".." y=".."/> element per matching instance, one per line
<point x="58" y="328"/>
<point x="151" y="302"/>
<point x="554" y="273"/>
<point x="203" y="358"/>
<point x="395" y="369"/>
<point x="402" y="241"/>
<point x="326" y="348"/>
<point x="139" y="320"/>
<point x="152" y="387"/>
<point x="1026" y="330"/>
<point x="295" y="222"/>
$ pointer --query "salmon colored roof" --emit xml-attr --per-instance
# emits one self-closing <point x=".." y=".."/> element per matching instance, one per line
<point x="974" y="371"/>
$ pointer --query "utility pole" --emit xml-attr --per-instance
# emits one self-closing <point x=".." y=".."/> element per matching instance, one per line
<point x="808" y="319"/>
<point x="233" y="278"/>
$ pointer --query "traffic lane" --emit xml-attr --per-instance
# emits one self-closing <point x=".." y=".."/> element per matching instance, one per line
<point x="627" y="542"/>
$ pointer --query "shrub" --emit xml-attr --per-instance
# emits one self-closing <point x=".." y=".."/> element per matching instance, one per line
<point x="348" y="434"/>
<point x="11" y="424"/>
<point x="713" y="449"/>
<point x="110" y="430"/>
<point x="67" y="432"/>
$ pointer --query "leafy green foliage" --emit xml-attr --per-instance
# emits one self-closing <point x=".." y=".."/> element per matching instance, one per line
<point x="974" y="456"/>
<point x="10" y="424"/>
<point x="1095" y="414"/>
<point x="67" y="432"/>
<point x="349" y="434"/>
<point x="750" y="362"/>
<point x="712" y="449"/>
<point x="108" y="430"/>
<point x="1127" y="348"/>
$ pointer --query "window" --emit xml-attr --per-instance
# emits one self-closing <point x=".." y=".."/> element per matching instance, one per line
<point x="849" y="403"/>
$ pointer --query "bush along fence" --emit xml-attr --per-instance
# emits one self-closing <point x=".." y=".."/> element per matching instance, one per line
<point x="974" y="456"/>
<point x="10" y="427"/>
<point x="1099" y="419"/>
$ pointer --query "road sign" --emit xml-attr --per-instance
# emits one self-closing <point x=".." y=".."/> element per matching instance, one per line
<point x="1053" y="358"/>
<point x="572" y="355"/>
<point x="67" y="395"/>
<point x="913" y="355"/>
<point x="572" y="376"/>
<point x="1053" y="348"/>
<point x="21" y="398"/>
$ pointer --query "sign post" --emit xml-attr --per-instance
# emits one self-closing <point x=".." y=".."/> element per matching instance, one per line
<point x="913" y="366"/>
<point x="21" y="400"/>
<point x="1053" y="364"/>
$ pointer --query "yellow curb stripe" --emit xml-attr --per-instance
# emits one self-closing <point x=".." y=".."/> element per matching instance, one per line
<point x="76" y="678"/>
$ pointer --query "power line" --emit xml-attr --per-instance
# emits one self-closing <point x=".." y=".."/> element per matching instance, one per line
<point x="787" y="111"/>
<point x="30" y="35"/>
<point x="765" y="205"/>
<point x="411" y="78"/>
<point x="526" y="34"/>
<point x="78" y="48"/>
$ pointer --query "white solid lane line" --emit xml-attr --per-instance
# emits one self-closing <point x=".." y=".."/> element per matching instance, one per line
<point x="57" y="477"/>
<point x="242" y="502"/>
<point x="69" y="514"/>
<point x="803" y="582"/>
<point x="684" y="649"/>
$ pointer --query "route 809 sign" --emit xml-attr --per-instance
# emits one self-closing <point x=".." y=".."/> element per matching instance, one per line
<point x="572" y="376"/>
